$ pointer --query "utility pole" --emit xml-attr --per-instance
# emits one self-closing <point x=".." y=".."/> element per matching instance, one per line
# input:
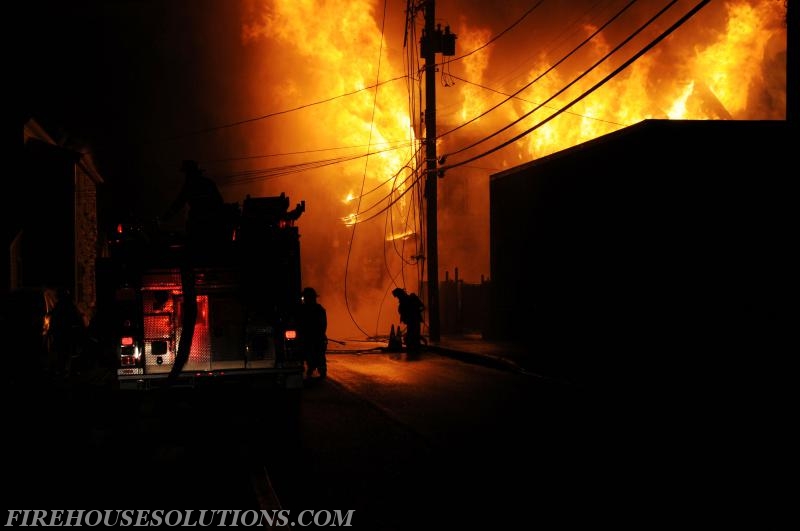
<point x="433" y="41"/>
<point x="792" y="62"/>
<point x="431" y="174"/>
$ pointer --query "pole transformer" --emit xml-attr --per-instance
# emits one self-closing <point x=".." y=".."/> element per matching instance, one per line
<point x="431" y="174"/>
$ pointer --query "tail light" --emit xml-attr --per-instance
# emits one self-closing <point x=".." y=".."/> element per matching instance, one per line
<point x="129" y="351"/>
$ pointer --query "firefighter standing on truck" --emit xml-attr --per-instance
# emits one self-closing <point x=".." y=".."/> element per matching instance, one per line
<point x="204" y="220"/>
<point x="204" y="231"/>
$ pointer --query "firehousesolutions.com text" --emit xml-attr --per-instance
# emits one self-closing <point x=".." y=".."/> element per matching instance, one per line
<point x="191" y="518"/>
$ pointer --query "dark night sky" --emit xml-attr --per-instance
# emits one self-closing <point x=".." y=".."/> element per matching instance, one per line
<point x="109" y="74"/>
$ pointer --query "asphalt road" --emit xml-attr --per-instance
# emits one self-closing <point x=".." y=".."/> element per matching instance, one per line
<point x="402" y="445"/>
<point x="435" y="442"/>
<point x="93" y="447"/>
<point x="432" y="443"/>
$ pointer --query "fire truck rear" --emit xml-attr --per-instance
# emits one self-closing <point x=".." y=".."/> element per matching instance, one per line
<point x="224" y="315"/>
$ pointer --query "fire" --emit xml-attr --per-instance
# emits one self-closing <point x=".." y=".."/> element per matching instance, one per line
<point x="737" y="55"/>
<point x="355" y="88"/>
<point x="341" y="47"/>
<point x="401" y="236"/>
<point x="699" y="72"/>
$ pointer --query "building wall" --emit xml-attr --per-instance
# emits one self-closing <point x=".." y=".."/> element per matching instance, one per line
<point x="52" y="220"/>
<point x="621" y="254"/>
<point x="86" y="240"/>
<point x="46" y="218"/>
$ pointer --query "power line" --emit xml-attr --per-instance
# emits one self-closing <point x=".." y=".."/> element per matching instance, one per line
<point x="599" y="84"/>
<point x="363" y="179"/>
<point x="490" y="41"/>
<point x="540" y="76"/>
<point x="278" y="113"/>
<point x="514" y="96"/>
<point x="568" y="29"/>
<point x="578" y="78"/>
<point x="279" y="171"/>
<point x="402" y="143"/>
<point x="388" y="197"/>
<point x="417" y="176"/>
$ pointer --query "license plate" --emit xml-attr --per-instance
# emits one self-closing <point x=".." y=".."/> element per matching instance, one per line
<point x="130" y="371"/>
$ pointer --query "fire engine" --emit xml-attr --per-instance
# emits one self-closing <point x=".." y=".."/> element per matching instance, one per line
<point x="178" y="315"/>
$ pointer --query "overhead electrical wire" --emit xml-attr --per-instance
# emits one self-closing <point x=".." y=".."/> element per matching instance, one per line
<point x="583" y="74"/>
<point x="506" y="30"/>
<point x="513" y="96"/>
<point x="565" y="35"/>
<point x="597" y="85"/>
<point x="409" y="78"/>
<point x="255" y="175"/>
<point x="279" y="171"/>
<point x="417" y="177"/>
<point x="391" y="197"/>
<point x="404" y="143"/>
<point x="272" y="173"/>
<point x="411" y="215"/>
<point x="388" y="197"/>
<point x="278" y="113"/>
<point x="363" y="179"/>
<point x="547" y="71"/>
<point x="380" y="185"/>
<point x="418" y="215"/>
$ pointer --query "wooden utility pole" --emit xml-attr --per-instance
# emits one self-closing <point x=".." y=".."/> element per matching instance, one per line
<point x="431" y="174"/>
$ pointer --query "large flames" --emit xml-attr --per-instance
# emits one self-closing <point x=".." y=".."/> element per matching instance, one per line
<point x="350" y="146"/>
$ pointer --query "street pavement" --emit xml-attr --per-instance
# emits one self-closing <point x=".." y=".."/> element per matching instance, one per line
<point x="468" y="347"/>
<point x="728" y="440"/>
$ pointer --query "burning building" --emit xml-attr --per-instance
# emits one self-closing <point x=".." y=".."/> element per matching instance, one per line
<point x="513" y="69"/>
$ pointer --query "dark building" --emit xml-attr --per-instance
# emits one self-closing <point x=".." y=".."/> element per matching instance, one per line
<point x="664" y="248"/>
<point x="50" y="223"/>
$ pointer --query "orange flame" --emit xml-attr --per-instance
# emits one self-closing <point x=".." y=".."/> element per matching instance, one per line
<point x="342" y="66"/>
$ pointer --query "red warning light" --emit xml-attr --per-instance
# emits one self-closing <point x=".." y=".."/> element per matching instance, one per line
<point x="290" y="334"/>
<point x="127" y="341"/>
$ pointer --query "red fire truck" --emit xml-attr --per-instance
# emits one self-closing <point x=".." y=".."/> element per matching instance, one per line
<point x="172" y="315"/>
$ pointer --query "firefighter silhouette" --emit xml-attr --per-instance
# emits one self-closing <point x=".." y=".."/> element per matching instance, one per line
<point x="313" y="327"/>
<point x="66" y="332"/>
<point x="205" y="230"/>
<point x="410" y="308"/>
<point x="205" y="222"/>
